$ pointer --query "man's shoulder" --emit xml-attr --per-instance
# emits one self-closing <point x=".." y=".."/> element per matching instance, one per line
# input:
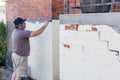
<point x="17" y="30"/>
<point x="21" y="32"/>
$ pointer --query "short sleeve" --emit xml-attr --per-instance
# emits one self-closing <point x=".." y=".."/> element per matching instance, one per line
<point x="27" y="33"/>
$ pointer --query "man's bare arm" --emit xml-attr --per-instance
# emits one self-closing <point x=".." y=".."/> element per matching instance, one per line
<point x="39" y="31"/>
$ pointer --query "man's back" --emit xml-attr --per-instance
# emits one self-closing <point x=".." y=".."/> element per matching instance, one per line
<point x="20" y="42"/>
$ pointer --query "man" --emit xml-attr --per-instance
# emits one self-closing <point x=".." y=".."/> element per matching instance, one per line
<point x="21" y="47"/>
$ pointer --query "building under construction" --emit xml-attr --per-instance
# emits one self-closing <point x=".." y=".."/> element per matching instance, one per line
<point x="80" y="38"/>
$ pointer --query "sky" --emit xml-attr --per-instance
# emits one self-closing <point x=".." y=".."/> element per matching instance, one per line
<point x="2" y="3"/>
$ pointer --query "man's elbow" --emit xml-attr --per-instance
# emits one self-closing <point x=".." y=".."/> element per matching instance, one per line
<point x="33" y="34"/>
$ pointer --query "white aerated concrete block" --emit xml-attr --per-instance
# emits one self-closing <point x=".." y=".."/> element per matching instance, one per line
<point x="84" y="27"/>
<point x="73" y="36"/>
<point x="40" y="60"/>
<point x="104" y="28"/>
<point x="88" y="57"/>
<point x="114" y="45"/>
<point x="83" y="35"/>
<point x="109" y="36"/>
<point x="100" y="56"/>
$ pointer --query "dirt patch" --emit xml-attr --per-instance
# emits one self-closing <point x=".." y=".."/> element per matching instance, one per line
<point x="5" y="73"/>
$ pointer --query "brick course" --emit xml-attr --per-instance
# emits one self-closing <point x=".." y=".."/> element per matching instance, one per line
<point x="30" y="9"/>
<point x="115" y="8"/>
<point x="37" y="9"/>
<point x="47" y="9"/>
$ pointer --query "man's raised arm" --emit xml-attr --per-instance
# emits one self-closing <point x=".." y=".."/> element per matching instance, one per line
<point x="39" y="31"/>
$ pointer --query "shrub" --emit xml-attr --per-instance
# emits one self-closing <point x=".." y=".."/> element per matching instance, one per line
<point x="3" y="44"/>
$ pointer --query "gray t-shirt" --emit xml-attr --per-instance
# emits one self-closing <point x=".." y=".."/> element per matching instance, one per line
<point x="20" y="42"/>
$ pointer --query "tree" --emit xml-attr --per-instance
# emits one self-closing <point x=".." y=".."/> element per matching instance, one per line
<point x="3" y="44"/>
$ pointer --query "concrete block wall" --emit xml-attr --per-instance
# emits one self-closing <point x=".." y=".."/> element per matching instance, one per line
<point x="44" y="53"/>
<point x="40" y="59"/>
<point x="37" y="11"/>
<point x="113" y="41"/>
<point x="85" y="53"/>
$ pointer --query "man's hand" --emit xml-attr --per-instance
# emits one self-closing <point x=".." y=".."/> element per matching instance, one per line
<point x="46" y="23"/>
<point x="50" y="20"/>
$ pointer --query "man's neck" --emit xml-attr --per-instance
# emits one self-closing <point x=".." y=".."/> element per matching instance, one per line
<point x="20" y="28"/>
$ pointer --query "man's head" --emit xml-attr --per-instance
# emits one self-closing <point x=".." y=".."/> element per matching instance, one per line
<point x="20" y="23"/>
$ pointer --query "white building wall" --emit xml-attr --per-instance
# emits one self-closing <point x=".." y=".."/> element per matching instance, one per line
<point x="86" y="55"/>
<point x="40" y="60"/>
<point x="42" y="63"/>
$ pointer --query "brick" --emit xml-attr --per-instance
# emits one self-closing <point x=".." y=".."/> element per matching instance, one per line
<point x="71" y="27"/>
<point x="94" y="29"/>
<point x="116" y="10"/>
<point x="114" y="6"/>
<point x="66" y="45"/>
<point x="118" y="6"/>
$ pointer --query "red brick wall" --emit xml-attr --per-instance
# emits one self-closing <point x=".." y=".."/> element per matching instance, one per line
<point x="116" y="8"/>
<point x="112" y="8"/>
<point x="74" y="11"/>
<point x="30" y="9"/>
<point x="43" y="9"/>
<point x="38" y="9"/>
<point x="57" y="8"/>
